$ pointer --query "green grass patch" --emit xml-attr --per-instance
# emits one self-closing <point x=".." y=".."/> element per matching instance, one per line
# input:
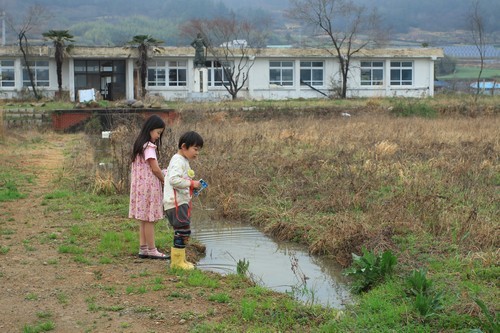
<point x="10" y="182"/>
<point x="38" y="328"/>
<point x="58" y="194"/>
<point x="219" y="298"/>
<point x="71" y="249"/>
<point x="9" y="191"/>
<point x="4" y="249"/>
<point x="197" y="278"/>
<point x="176" y="294"/>
<point x="413" y="108"/>
<point x="471" y="73"/>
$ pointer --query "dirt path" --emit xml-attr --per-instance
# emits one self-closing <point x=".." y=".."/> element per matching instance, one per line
<point x="39" y="284"/>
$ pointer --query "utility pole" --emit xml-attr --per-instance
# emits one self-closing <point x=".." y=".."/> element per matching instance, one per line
<point x="3" y="28"/>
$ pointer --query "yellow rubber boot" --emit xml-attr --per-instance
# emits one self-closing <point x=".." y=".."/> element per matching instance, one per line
<point x="178" y="259"/>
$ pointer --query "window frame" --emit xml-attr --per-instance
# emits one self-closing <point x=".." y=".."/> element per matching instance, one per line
<point x="157" y="73"/>
<point x="372" y="69"/>
<point x="10" y="82"/>
<point x="217" y="76"/>
<point x="167" y="73"/>
<point x="39" y="68"/>
<point x="280" y="67"/>
<point x="399" y="72"/>
<point x="308" y="66"/>
<point x="177" y="69"/>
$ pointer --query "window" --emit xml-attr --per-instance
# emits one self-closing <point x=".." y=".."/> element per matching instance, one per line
<point x="401" y="73"/>
<point x="7" y="73"/>
<point x="177" y="73"/>
<point x="311" y="73"/>
<point x="281" y="73"/>
<point x="40" y="71"/>
<point x="217" y="77"/>
<point x="372" y="73"/>
<point x="157" y="73"/>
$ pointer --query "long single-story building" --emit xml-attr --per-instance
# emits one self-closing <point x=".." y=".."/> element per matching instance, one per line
<point x="276" y="73"/>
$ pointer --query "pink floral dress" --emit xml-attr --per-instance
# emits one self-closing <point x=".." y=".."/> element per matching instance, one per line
<point x="145" y="188"/>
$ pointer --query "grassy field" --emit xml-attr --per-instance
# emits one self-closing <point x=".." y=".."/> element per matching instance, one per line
<point x="416" y="179"/>
<point x="471" y="73"/>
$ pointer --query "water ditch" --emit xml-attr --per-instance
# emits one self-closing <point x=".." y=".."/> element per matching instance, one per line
<point x="281" y="266"/>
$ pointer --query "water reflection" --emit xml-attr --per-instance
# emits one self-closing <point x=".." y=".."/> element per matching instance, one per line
<point x="281" y="266"/>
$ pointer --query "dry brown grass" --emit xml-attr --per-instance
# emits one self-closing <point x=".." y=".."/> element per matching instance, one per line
<point x="338" y="184"/>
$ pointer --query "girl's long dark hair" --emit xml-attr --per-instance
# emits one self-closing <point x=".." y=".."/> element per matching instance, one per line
<point x="152" y="123"/>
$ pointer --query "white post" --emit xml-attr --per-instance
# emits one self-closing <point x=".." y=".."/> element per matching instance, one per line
<point x="200" y="80"/>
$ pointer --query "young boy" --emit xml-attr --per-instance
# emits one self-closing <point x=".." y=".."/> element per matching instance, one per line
<point x="177" y="193"/>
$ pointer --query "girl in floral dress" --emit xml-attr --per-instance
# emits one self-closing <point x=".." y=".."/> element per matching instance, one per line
<point x="146" y="186"/>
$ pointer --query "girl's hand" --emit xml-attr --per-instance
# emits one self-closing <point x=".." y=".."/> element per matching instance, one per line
<point x="196" y="184"/>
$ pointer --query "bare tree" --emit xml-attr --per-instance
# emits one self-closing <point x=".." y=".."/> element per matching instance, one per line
<point x="233" y="44"/>
<point x="31" y="23"/>
<point x="344" y="23"/>
<point x="478" y="36"/>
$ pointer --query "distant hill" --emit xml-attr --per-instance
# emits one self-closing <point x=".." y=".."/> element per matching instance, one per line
<point x="113" y="22"/>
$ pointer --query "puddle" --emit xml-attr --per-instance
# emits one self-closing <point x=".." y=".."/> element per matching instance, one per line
<point x="281" y="266"/>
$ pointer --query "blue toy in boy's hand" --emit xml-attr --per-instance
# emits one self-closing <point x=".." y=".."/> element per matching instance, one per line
<point x="203" y="185"/>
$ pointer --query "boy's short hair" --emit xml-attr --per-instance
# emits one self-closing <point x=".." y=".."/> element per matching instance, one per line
<point x="190" y="139"/>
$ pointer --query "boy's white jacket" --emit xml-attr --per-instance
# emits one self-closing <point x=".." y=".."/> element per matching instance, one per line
<point x="177" y="180"/>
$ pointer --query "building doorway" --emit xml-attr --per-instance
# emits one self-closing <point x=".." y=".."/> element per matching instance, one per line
<point x="105" y="76"/>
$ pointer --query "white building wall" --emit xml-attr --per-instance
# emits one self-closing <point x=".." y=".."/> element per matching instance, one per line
<point x="258" y="86"/>
<point x="423" y="81"/>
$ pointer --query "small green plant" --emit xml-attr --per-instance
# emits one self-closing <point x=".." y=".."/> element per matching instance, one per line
<point x="370" y="269"/>
<point x="62" y="298"/>
<point x="490" y="325"/>
<point x="220" y="298"/>
<point x="31" y="297"/>
<point x="91" y="304"/>
<point x="248" y="309"/>
<point x="125" y="325"/>
<point x="44" y="314"/>
<point x="188" y="315"/>
<point x="4" y="249"/>
<point x="42" y="327"/>
<point x="418" y="282"/>
<point x="242" y="266"/>
<point x="178" y="295"/>
<point x="143" y="309"/>
<point x="72" y="249"/>
<point x="427" y="302"/>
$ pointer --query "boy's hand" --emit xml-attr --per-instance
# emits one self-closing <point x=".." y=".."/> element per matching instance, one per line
<point x="196" y="184"/>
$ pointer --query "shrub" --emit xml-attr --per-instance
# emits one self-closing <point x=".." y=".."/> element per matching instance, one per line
<point x="370" y="269"/>
<point x="408" y="108"/>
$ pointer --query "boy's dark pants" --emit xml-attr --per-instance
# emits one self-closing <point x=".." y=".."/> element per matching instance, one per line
<point x="180" y="220"/>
